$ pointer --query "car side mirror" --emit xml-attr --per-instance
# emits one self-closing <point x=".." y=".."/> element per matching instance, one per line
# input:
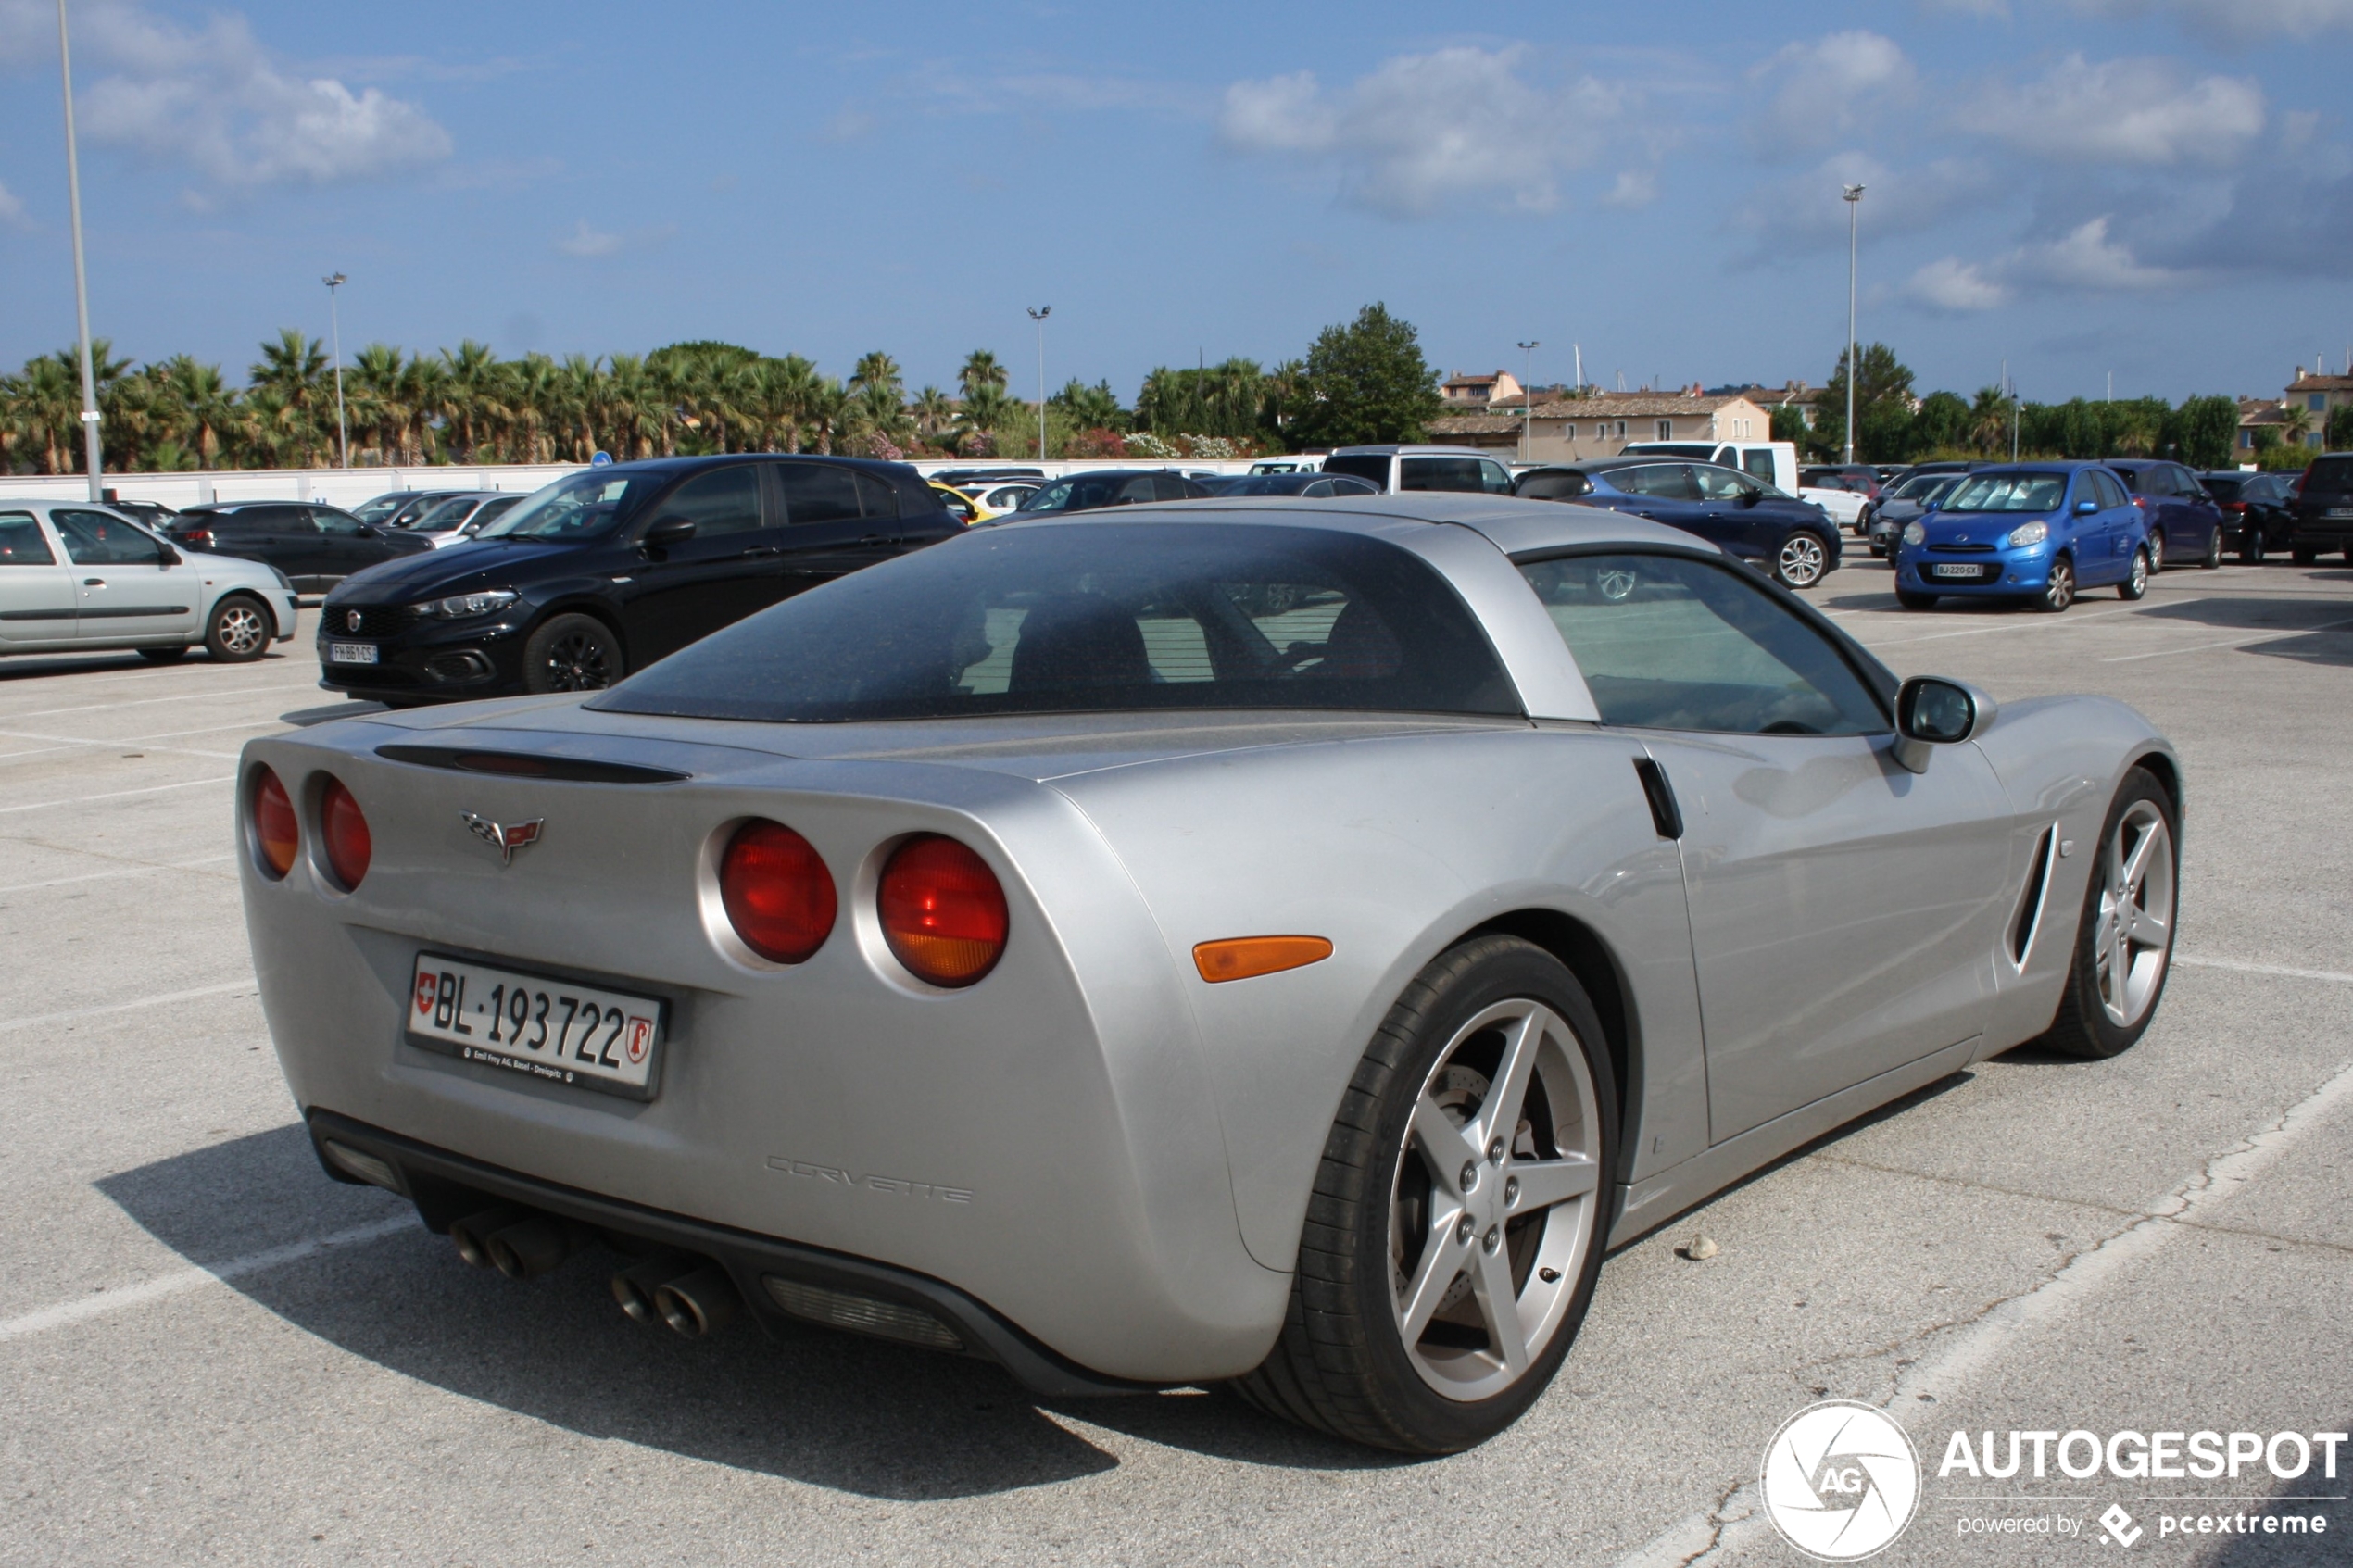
<point x="1933" y="711"/>
<point x="669" y="530"/>
<point x="170" y="556"/>
<point x="1751" y="498"/>
<point x="2085" y="509"/>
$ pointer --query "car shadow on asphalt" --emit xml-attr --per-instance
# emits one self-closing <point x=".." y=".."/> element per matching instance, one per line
<point x="828" y="1409"/>
<point x="31" y="666"/>
<point x="2309" y="631"/>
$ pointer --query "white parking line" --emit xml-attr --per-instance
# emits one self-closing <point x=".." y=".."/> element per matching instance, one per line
<point x="155" y="1001"/>
<point x="64" y="742"/>
<point x="2242" y="966"/>
<point x="103" y="1302"/>
<point x="1737" y="1519"/>
<point x="2273" y="635"/>
<point x="2007" y="623"/>
<point x="122" y="870"/>
<point x="147" y="701"/>
<point x="117" y="795"/>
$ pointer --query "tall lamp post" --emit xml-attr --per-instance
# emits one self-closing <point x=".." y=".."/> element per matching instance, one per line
<point x="1528" y="401"/>
<point x="1853" y="205"/>
<point x="334" y="330"/>
<point x="81" y="283"/>
<point x="1038" y="313"/>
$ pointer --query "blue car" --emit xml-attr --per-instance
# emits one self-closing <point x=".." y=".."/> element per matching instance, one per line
<point x="1794" y="541"/>
<point x="2034" y="532"/>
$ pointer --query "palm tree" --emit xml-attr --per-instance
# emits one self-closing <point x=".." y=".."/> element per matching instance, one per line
<point x="877" y="417"/>
<point x="877" y="370"/>
<point x="2296" y="423"/>
<point x="202" y="402"/>
<point x="1989" y="419"/>
<point x="295" y="368"/>
<point x="474" y="405"/>
<point x="981" y="368"/>
<point x="934" y="411"/>
<point x="985" y="409"/>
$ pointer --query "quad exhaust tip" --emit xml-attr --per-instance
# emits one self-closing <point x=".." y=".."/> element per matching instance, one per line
<point x="699" y="1304"/>
<point x="635" y="1286"/>
<point x="472" y="1233"/>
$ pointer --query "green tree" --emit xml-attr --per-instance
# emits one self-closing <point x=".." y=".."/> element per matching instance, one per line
<point x="1789" y="424"/>
<point x="1882" y="407"/>
<point x="1941" y="424"/>
<point x="980" y="369"/>
<point x="2340" y="429"/>
<point x="1365" y="380"/>
<point x="1088" y="407"/>
<point x="2204" y="430"/>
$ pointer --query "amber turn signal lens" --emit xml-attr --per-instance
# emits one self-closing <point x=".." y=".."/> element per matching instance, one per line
<point x="275" y="832"/>
<point x="943" y="913"/>
<point x="346" y="831"/>
<point x="1240" y="958"/>
<point x="778" y="893"/>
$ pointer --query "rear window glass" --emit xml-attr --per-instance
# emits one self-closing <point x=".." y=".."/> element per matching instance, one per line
<point x="2008" y="492"/>
<point x="2329" y="473"/>
<point x="1371" y="467"/>
<point x="1553" y="484"/>
<point x="1116" y="617"/>
<point x="2222" y="489"/>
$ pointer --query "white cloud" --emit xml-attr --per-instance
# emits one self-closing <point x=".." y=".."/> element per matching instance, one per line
<point x="1984" y="10"/>
<point x="216" y="100"/>
<point x="1635" y="188"/>
<point x="1425" y="132"/>
<point x="2133" y="111"/>
<point x="1827" y="87"/>
<point x="588" y="242"/>
<point x="2085" y="260"/>
<point x="1804" y="212"/>
<point x="2244" y="20"/>
<point x="12" y="210"/>
<point x="1955" y="285"/>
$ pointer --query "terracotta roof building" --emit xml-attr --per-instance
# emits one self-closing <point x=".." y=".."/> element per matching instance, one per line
<point x="1601" y="425"/>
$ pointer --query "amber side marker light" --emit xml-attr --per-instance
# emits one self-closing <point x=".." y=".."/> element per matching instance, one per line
<point x="350" y="844"/>
<point x="1243" y="958"/>
<point x="276" y="829"/>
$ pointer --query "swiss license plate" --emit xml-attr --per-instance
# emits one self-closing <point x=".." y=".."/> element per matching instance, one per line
<point x="2341" y="511"/>
<point x="351" y="653"/>
<point x="1956" y="569"/>
<point x="584" y="1035"/>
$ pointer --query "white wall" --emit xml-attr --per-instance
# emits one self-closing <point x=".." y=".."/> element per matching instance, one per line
<point x="350" y="487"/>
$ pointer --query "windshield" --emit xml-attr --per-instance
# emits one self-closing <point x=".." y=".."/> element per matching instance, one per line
<point x="1097" y="617"/>
<point x="1089" y="490"/>
<point x="586" y="506"/>
<point x="381" y="506"/>
<point x="446" y="516"/>
<point x="2006" y="492"/>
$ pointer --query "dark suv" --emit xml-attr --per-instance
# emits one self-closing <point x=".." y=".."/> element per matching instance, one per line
<point x="316" y="546"/>
<point x="606" y="571"/>
<point x="2184" y="524"/>
<point x="2321" y="508"/>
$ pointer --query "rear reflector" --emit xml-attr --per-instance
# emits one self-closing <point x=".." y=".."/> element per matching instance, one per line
<point x="1240" y="958"/>
<point x="275" y="832"/>
<point x="346" y="831"/>
<point x="862" y="1314"/>
<point x="942" y="910"/>
<point x="779" y="895"/>
<point x="356" y="1162"/>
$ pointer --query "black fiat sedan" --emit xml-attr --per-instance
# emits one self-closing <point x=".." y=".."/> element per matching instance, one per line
<point x="611" y="569"/>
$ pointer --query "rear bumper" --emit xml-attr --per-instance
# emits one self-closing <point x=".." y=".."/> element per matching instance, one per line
<point x="446" y="1186"/>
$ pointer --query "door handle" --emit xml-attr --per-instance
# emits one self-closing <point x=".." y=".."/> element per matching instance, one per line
<point x="879" y="539"/>
<point x="758" y="550"/>
<point x="94" y="582"/>
<point x="1665" y="815"/>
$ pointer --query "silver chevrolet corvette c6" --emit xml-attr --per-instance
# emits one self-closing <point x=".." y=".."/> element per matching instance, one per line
<point x="1281" y="944"/>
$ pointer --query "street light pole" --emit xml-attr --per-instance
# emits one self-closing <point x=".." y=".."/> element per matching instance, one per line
<point x="1038" y="313"/>
<point x="1853" y="206"/>
<point x="90" y="451"/>
<point x="334" y="330"/>
<point x="1527" y="402"/>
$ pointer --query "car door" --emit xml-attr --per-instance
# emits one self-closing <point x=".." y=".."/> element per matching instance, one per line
<point x="344" y="544"/>
<point x="2122" y="524"/>
<point x="827" y="532"/>
<point x="1844" y="910"/>
<point x="124" y="592"/>
<point x="37" y="590"/>
<point x="1731" y="513"/>
<point x="2201" y="519"/>
<point x="284" y="536"/>
<point x="723" y="571"/>
<point x="1663" y="492"/>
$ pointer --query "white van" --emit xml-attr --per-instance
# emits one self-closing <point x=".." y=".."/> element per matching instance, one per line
<point x="1775" y="462"/>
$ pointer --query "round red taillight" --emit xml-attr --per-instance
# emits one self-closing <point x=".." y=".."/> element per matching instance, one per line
<point x="943" y="913"/>
<point x="779" y="895"/>
<point x="346" y="831"/>
<point x="275" y="831"/>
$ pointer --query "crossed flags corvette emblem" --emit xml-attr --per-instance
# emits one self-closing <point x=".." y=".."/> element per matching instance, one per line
<point x="505" y="837"/>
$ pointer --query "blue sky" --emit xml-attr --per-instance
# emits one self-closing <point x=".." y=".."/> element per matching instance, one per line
<point x="2162" y="189"/>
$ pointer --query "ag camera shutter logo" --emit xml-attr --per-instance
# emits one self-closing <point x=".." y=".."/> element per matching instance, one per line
<point x="1841" y="1481"/>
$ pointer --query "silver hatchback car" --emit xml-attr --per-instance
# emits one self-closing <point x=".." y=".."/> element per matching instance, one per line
<point x="81" y="578"/>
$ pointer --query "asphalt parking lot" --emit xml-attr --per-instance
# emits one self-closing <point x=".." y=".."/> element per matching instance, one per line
<point x="208" y="1353"/>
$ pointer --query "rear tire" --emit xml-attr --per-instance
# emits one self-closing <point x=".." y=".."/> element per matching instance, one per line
<point x="2156" y="552"/>
<point x="2251" y="546"/>
<point x="2137" y="580"/>
<point x="238" y="630"/>
<point x="1490" y="1245"/>
<point x="1911" y="600"/>
<point x="1803" y="561"/>
<point x="163" y="656"/>
<point x="2125" y="935"/>
<point x="2213" y="557"/>
<point x="572" y="653"/>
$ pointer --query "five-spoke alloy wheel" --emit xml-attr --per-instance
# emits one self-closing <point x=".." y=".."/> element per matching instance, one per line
<point x="1459" y="1213"/>
<point x="2124" y="942"/>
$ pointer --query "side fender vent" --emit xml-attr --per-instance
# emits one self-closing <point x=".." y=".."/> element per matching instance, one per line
<point x="2029" y="917"/>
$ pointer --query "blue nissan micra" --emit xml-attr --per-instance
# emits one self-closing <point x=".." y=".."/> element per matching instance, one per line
<point x="2035" y="531"/>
